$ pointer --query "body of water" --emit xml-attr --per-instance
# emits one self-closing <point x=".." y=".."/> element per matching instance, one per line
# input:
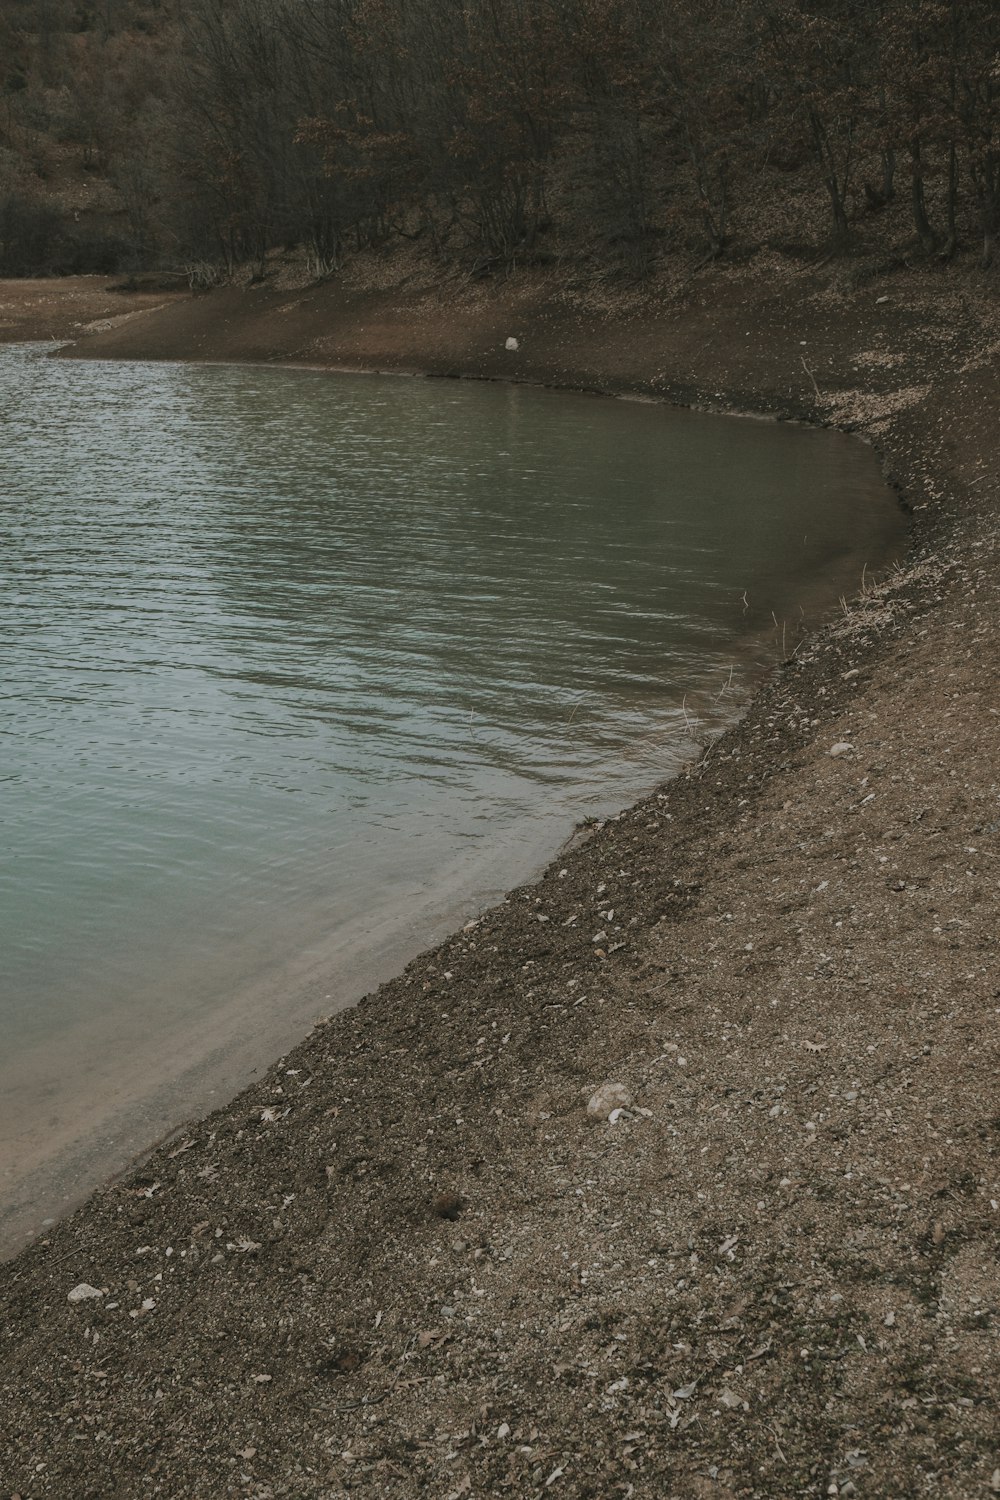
<point x="297" y="670"/>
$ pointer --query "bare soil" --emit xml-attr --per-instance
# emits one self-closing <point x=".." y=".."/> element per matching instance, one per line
<point x="408" y="1261"/>
<point x="71" y="307"/>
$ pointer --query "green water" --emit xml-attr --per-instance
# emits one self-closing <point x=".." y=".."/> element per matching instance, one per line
<point x="297" y="670"/>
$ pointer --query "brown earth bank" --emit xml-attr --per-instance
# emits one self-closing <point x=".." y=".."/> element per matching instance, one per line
<point x="410" y="1260"/>
<point x="69" y="308"/>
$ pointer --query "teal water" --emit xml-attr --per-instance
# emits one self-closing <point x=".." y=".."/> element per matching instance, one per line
<point x="295" y="670"/>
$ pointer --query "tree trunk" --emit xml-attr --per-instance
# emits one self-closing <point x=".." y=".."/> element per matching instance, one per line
<point x="951" y="241"/>
<point x="834" y="181"/>
<point x="888" y="176"/>
<point x="921" y="222"/>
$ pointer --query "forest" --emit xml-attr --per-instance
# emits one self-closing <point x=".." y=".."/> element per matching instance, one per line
<point x="197" y="137"/>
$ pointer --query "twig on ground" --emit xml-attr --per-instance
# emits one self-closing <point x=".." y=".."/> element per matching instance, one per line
<point x="812" y="377"/>
<point x="377" y="1400"/>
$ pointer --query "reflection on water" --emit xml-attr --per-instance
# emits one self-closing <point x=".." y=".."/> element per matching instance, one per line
<point x="284" y="653"/>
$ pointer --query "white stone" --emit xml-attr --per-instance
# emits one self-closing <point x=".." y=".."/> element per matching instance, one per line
<point x="605" y="1100"/>
<point x="81" y="1292"/>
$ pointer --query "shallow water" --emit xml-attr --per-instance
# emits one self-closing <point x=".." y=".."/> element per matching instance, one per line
<point x="298" y="669"/>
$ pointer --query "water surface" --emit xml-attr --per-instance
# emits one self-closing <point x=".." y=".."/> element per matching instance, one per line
<point x="299" y="669"/>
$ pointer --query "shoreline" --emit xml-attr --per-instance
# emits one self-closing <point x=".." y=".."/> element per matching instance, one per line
<point x="788" y="928"/>
<point x="78" y="1109"/>
<point x="46" y="1173"/>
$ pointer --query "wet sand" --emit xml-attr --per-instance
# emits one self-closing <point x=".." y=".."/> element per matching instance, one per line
<point x="80" y="1108"/>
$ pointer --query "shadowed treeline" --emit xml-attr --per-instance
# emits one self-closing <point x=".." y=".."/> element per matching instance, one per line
<point x="145" y="133"/>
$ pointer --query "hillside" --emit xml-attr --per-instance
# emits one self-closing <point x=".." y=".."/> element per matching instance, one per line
<point x="140" y="135"/>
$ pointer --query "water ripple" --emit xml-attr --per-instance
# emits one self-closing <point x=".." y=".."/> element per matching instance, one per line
<point x="277" y="646"/>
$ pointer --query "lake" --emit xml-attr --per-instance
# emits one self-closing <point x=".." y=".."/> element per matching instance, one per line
<point x="301" y="670"/>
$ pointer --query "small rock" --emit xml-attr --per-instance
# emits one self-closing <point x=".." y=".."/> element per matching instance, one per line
<point x="840" y="748"/>
<point x="608" y="1098"/>
<point x="512" y="346"/>
<point x="81" y="1292"/>
<point x="503" y="1431"/>
<point x="447" y="1205"/>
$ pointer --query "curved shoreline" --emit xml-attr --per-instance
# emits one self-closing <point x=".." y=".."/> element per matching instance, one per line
<point x="421" y="1239"/>
<point x="77" y="1112"/>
